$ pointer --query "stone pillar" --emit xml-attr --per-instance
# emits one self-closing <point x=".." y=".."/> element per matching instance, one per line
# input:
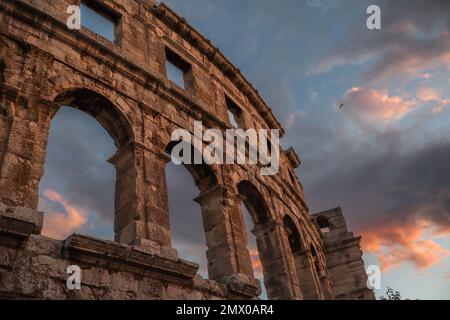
<point x="240" y="237"/>
<point x="327" y="292"/>
<point x="290" y="264"/>
<point x="325" y="283"/>
<point x="278" y="277"/>
<point x="156" y="201"/>
<point x="305" y="270"/>
<point x="141" y="196"/>
<point x="128" y="220"/>
<point x="24" y="126"/>
<point x="225" y="236"/>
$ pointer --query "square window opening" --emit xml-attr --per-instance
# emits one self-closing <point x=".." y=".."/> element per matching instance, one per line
<point x="177" y="69"/>
<point x="100" y="19"/>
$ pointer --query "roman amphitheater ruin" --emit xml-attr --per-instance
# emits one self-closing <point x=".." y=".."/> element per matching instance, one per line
<point x="123" y="84"/>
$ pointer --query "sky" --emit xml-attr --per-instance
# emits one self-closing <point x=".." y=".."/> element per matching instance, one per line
<point x="383" y="157"/>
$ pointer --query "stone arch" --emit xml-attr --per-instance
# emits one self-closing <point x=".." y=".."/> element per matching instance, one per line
<point x="304" y="264"/>
<point x="204" y="175"/>
<point x="254" y="202"/>
<point x="293" y="234"/>
<point x="212" y="200"/>
<point x="270" y="244"/>
<point x="162" y="141"/>
<point x="64" y="84"/>
<point x="320" y="272"/>
<point x="102" y="109"/>
<point x="112" y="119"/>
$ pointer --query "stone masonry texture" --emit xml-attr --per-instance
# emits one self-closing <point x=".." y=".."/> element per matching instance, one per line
<point x="123" y="85"/>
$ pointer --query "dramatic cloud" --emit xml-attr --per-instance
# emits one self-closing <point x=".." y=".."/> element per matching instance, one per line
<point x="59" y="225"/>
<point x="395" y="244"/>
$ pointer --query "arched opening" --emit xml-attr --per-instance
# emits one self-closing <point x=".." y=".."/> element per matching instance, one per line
<point x="323" y="223"/>
<point x="307" y="267"/>
<point x="78" y="192"/>
<point x="252" y="247"/>
<point x="186" y="215"/>
<point x="254" y="203"/>
<point x="303" y="264"/>
<point x="292" y="234"/>
<point x="255" y="217"/>
<point x="77" y="189"/>
<point x="103" y="110"/>
<point x="320" y="273"/>
<point x="203" y="174"/>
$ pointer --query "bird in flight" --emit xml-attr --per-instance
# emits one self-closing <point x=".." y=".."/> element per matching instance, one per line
<point x="341" y="106"/>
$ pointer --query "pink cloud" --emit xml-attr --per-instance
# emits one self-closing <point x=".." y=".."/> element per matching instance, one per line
<point x="59" y="225"/>
<point x="366" y="105"/>
<point x="427" y="94"/>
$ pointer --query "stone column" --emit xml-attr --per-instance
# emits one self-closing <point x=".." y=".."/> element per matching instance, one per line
<point x="141" y="196"/>
<point x="227" y="254"/>
<point x="128" y="220"/>
<point x="305" y="270"/>
<point x="240" y="235"/>
<point x="278" y="276"/>
<point x="290" y="263"/>
<point x="24" y="126"/>
<point x="325" y="284"/>
<point x="156" y="201"/>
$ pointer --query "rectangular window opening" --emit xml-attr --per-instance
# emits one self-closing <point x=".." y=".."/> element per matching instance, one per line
<point x="177" y="69"/>
<point x="99" y="19"/>
<point x="325" y="230"/>
<point x="235" y="114"/>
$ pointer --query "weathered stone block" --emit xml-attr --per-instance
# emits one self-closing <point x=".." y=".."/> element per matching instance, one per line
<point x="22" y="220"/>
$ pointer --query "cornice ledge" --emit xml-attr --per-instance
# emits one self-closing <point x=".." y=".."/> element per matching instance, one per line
<point x="94" y="251"/>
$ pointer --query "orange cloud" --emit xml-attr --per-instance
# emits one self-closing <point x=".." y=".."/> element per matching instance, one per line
<point x="256" y="263"/>
<point x="59" y="225"/>
<point x="372" y="105"/>
<point x="395" y="245"/>
<point x="423" y="254"/>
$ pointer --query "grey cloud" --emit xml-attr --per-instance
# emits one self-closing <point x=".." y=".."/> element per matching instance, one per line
<point x="414" y="35"/>
<point x="377" y="181"/>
